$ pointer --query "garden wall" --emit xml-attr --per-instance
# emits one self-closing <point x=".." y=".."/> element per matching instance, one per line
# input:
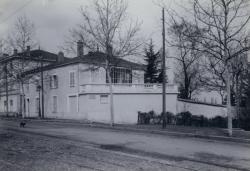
<point x="199" y="108"/>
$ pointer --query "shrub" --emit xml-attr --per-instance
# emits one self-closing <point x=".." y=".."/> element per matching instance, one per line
<point x="184" y="118"/>
<point x="218" y="121"/>
<point x="145" y="117"/>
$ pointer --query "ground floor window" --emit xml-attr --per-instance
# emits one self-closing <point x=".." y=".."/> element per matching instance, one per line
<point x="54" y="107"/>
<point x="37" y="105"/>
<point x="104" y="99"/>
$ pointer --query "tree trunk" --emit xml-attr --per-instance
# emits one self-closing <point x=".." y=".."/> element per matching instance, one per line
<point x="111" y="100"/>
<point x="21" y="99"/>
<point x="229" y="114"/>
<point x="238" y="98"/>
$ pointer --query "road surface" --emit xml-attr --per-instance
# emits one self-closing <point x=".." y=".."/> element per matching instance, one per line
<point x="68" y="146"/>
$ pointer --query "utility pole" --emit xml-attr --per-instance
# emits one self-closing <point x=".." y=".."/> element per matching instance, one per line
<point x="163" y="72"/>
<point x="6" y="89"/>
<point x="42" y="89"/>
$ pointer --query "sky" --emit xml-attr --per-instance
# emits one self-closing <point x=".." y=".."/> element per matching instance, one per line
<point x="53" y="18"/>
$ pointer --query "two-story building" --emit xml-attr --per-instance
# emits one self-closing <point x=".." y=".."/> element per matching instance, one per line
<point x="11" y="81"/>
<point x="76" y="88"/>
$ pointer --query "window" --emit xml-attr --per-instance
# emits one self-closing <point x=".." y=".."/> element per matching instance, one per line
<point x="104" y="99"/>
<point x="11" y="102"/>
<point x="92" y="96"/>
<point x="37" y="85"/>
<point x="72" y="79"/>
<point x="38" y="105"/>
<point x="54" y="81"/>
<point x="120" y="75"/>
<point x="54" y="107"/>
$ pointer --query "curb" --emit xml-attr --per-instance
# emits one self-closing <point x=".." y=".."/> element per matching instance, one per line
<point x="140" y="130"/>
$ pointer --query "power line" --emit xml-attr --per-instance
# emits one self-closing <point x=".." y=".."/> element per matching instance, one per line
<point x="16" y="11"/>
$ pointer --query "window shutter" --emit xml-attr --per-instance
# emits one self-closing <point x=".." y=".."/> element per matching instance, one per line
<point x="50" y="82"/>
<point x="56" y="81"/>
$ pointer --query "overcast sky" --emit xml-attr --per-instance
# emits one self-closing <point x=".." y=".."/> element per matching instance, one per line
<point x="53" y="18"/>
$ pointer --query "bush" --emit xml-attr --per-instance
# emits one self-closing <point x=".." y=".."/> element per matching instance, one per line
<point x="218" y="121"/>
<point x="184" y="118"/>
<point x="187" y="119"/>
<point x="244" y="120"/>
<point x="152" y="118"/>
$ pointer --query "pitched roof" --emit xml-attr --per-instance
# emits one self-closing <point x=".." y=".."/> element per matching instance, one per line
<point x="95" y="58"/>
<point x="34" y="55"/>
<point x="99" y="58"/>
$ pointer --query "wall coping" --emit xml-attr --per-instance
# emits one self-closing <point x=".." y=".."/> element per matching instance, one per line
<point x="201" y="103"/>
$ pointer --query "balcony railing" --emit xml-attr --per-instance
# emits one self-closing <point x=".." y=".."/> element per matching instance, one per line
<point x="127" y="88"/>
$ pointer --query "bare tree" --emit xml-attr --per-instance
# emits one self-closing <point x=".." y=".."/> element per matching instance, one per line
<point x="21" y="38"/>
<point x="105" y="24"/>
<point x="225" y="23"/>
<point x="239" y="68"/>
<point x="187" y="57"/>
<point x="22" y="34"/>
<point x="214" y="78"/>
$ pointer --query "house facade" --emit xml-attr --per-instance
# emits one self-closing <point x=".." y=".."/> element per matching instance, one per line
<point x="11" y="68"/>
<point x="77" y="88"/>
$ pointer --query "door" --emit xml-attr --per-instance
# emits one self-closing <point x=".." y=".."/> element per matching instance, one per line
<point x="28" y="108"/>
<point x="38" y="106"/>
<point x="72" y="105"/>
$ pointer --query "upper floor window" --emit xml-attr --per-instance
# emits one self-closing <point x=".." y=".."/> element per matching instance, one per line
<point x="72" y="79"/>
<point x="53" y="81"/>
<point x="37" y="85"/>
<point x="120" y="75"/>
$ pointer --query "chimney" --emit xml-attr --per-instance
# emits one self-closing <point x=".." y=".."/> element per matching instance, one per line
<point x="60" y="57"/>
<point x="28" y="51"/>
<point x="15" y="52"/>
<point x="79" y="48"/>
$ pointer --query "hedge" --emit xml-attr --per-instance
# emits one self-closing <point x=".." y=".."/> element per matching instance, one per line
<point x="187" y="119"/>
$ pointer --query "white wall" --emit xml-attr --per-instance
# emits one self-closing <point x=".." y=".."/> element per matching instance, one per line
<point x="126" y="106"/>
<point x="207" y="110"/>
<point x="64" y="93"/>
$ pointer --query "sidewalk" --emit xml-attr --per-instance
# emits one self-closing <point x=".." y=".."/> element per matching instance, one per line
<point x="220" y="134"/>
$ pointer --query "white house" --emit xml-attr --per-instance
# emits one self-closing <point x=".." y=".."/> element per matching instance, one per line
<point x="76" y="89"/>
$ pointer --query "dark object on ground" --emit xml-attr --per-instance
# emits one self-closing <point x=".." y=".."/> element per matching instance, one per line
<point x="22" y="124"/>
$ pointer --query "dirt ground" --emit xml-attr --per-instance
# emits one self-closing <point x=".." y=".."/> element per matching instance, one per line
<point x="47" y="147"/>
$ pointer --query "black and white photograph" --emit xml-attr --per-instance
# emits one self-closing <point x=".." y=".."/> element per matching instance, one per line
<point x="124" y="85"/>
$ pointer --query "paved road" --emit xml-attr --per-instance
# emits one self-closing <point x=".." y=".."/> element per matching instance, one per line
<point x="148" y="150"/>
